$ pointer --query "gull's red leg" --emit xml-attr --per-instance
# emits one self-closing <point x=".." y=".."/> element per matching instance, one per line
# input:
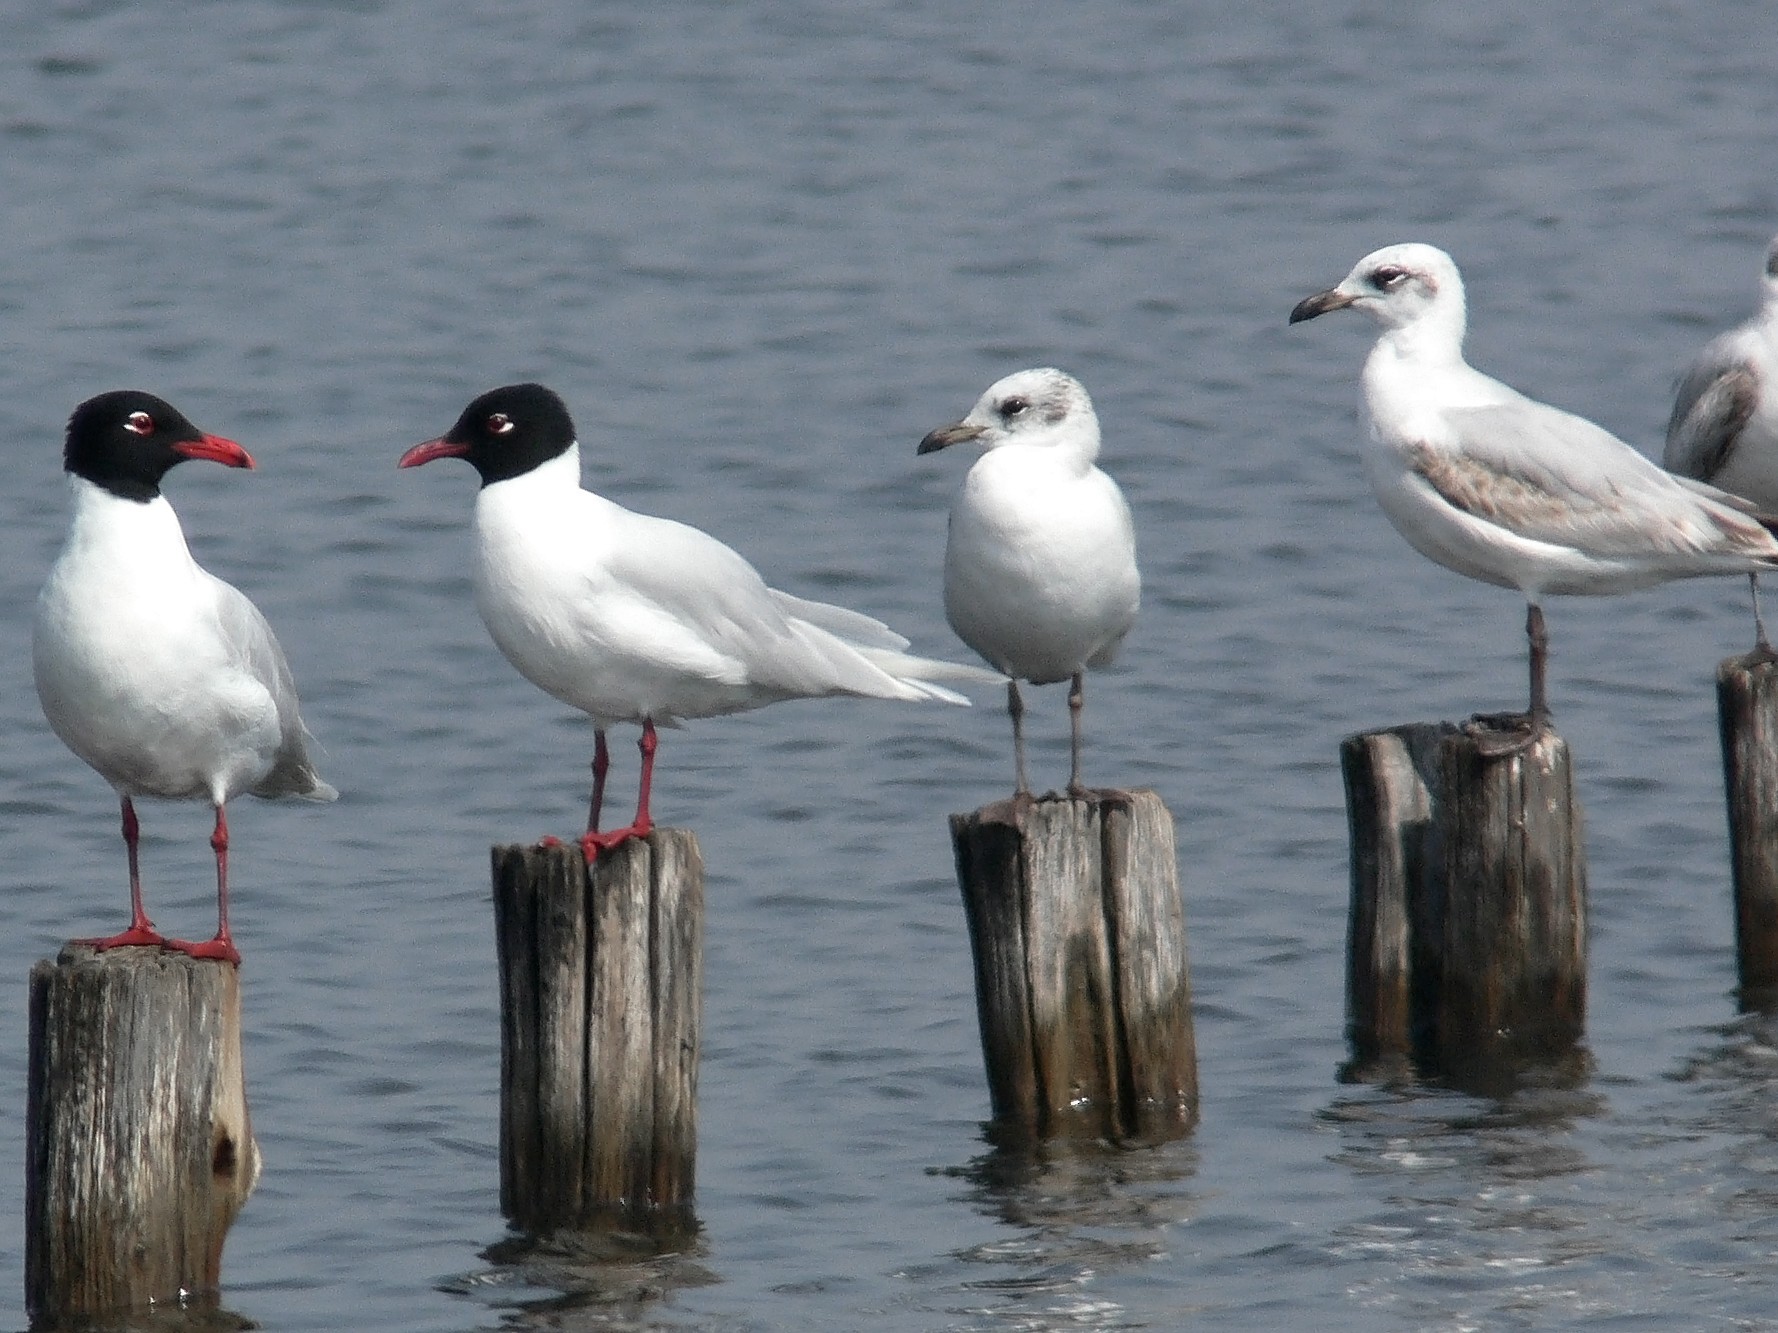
<point x="601" y="764"/>
<point x="222" y="947"/>
<point x="141" y="929"/>
<point x="593" y="842"/>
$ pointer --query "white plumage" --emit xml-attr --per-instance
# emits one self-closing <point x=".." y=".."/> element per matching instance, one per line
<point x="1506" y="489"/>
<point x="162" y="677"/>
<point x="632" y="618"/>
<point x="1724" y="425"/>
<point x="1040" y="560"/>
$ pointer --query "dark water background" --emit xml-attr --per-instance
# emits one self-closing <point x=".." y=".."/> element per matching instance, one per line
<point x="762" y="249"/>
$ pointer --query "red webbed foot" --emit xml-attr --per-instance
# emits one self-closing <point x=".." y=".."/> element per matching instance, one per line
<point x="221" y="949"/>
<point x="591" y="844"/>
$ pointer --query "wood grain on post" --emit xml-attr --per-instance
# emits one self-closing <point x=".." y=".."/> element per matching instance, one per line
<point x="139" y="1150"/>
<point x="1469" y="920"/>
<point x="600" y="989"/>
<point x="1395" y="928"/>
<point x="1514" y="973"/>
<point x="1082" y="985"/>
<point x="1747" y="710"/>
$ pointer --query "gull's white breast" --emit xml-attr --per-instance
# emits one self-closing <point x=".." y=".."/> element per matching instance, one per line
<point x="1040" y="565"/>
<point x="131" y="663"/>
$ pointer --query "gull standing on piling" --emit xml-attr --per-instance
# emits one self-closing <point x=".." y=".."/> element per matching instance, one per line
<point x="161" y="676"/>
<point x="1724" y="427"/>
<point x="631" y="618"/>
<point x="1509" y="490"/>
<point x="1040" y="561"/>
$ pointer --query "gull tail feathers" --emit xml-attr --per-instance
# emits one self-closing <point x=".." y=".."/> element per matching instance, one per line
<point x="921" y="674"/>
<point x="856" y="628"/>
<point x="1745" y="523"/>
<point x="303" y="784"/>
<point x="294" y="774"/>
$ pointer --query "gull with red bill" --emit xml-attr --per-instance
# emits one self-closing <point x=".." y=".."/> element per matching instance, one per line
<point x="162" y="677"/>
<point x="631" y="618"/>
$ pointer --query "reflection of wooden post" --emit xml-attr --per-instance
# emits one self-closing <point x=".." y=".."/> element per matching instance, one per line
<point x="600" y="985"/>
<point x="1468" y="896"/>
<point x="1082" y="985"/>
<point x="1747" y="708"/>
<point x="139" y="1152"/>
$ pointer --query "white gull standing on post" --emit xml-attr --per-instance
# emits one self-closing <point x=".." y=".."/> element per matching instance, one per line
<point x="632" y="618"/>
<point x="165" y="679"/>
<point x="1509" y="490"/>
<point x="1724" y="426"/>
<point x="1040" y="561"/>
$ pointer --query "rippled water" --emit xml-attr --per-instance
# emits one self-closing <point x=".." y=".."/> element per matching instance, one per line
<point x="762" y="249"/>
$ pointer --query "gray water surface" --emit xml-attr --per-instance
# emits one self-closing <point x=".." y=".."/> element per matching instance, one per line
<point x="762" y="250"/>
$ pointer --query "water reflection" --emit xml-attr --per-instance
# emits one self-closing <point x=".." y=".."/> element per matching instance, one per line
<point x="1485" y="1199"/>
<point x="1082" y="1210"/>
<point x="1501" y="1073"/>
<point x="586" y="1280"/>
<point x="1737" y="1117"/>
<point x="200" y="1314"/>
<point x="1414" y="1126"/>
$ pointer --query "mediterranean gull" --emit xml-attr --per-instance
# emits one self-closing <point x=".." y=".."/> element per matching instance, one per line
<point x="161" y="676"/>
<point x="631" y="618"/>
<point x="1509" y="490"/>
<point x="1040" y="561"/>
<point x="1724" y="427"/>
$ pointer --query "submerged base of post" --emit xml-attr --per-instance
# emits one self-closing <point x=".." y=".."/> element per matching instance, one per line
<point x="601" y="978"/>
<point x="1747" y="709"/>
<point x="1467" y="940"/>
<point x="1082" y="984"/>
<point x="139" y="1150"/>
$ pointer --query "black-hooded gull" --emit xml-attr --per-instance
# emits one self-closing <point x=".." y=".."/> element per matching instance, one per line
<point x="631" y="618"/>
<point x="164" y="678"/>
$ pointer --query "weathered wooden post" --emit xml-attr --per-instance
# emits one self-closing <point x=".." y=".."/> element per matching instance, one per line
<point x="601" y="978"/>
<point x="1467" y="941"/>
<point x="1082" y="985"/>
<point x="1747" y="709"/>
<point x="139" y="1151"/>
<point x="1394" y="932"/>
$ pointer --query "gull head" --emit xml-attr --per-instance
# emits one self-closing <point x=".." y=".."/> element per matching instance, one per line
<point x="503" y="434"/>
<point x="1398" y="286"/>
<point x="127" y="440"/>
<point x="1044" y="407"/>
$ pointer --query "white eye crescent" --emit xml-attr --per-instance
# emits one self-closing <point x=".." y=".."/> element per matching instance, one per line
<point x="500" y="424"/>
<point x="140" y="423"/>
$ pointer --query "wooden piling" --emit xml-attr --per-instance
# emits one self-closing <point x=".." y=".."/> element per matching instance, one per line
<point x="1394" y="932"/>
<point x="1467" y="940"/>
<point x="601" y="985"/>
<point x="1082" y="985"/>
<point x="1747" y="711"/>
<point x="139" y="1149"/>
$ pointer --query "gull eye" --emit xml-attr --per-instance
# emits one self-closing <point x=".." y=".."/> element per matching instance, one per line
<point x="139" y="423"/>
<point x="1388" y="278"/>
<point x="1013" y="407"/>
<point x="500" y="424"/>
